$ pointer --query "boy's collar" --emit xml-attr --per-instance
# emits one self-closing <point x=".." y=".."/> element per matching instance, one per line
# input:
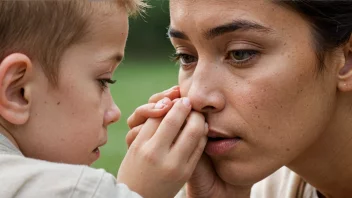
<point x="6" y="147"/>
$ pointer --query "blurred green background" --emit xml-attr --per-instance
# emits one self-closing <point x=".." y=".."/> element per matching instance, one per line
<point x="147" y="69"/>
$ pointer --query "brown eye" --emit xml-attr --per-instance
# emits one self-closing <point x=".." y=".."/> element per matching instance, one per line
<point x="242" y="55"/>
<point x="186" y="59"/>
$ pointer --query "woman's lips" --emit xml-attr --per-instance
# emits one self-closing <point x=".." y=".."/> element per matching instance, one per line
<point x="220" y="146"/>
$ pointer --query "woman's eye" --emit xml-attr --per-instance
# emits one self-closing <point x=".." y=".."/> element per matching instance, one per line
<point x="186" y="59"/>
<point x="240" y="56"/>
<point x="104" y="82"/>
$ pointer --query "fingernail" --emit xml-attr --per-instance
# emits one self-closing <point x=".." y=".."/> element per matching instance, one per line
<point x="160" y="104"/>
<point x="186" y="102"/>
<point x="172" y="89"/>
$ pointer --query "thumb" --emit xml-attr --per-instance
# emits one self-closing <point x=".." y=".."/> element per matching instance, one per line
<point x="203" y="178"/>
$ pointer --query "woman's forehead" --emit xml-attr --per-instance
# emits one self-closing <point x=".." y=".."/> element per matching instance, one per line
<point x="258" y="15"/>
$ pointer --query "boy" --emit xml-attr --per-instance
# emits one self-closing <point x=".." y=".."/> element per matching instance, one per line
<point x="56" y="61"/>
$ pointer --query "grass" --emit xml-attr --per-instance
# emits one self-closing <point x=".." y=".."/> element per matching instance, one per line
<point x="136" y="82"/>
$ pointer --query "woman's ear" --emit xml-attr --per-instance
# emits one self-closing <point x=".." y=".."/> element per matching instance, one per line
<point x="15" y="93"/>
<point x="345" y="72"/>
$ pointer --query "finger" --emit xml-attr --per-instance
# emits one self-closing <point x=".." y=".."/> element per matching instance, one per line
<point x="148" y="130"/>
<point x="132" y="134"/>
<point x="189" y="138"/>
<point x="151" y="110"/>
<point x="204" y="174"/>
<point x="197" y="154"/>
<point x="171" y="93"/>
<point x="172" y="123"/>
<point x="175" y="100"/>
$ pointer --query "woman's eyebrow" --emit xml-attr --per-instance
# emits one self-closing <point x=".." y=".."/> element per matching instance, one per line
<point x="223" y="29"/>
<point x="235" y="26"/>
<point x="173" y="33"/>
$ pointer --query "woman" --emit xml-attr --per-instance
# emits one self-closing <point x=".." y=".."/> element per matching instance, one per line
<point x="274" y="82"/>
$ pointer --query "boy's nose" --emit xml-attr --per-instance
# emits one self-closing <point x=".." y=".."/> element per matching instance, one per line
<point x="112" y="115"/>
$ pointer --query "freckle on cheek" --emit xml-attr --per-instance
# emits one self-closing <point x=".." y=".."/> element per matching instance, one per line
<point x="58" y="103"/>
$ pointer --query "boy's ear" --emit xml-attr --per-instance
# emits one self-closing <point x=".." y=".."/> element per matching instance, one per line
<point x="345" y="72"/>
<point x="15" y="72"/>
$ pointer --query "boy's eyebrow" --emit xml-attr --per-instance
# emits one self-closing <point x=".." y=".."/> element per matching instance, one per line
<point x="112" y="59"/>
<point x="223" y="29"/>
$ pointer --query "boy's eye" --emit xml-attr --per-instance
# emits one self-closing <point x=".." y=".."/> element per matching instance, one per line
<point x="104" y="82"/>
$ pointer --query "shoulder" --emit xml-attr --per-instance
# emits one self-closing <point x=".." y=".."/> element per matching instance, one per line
<point x="283" y="183"/>
<point x="26" y="177"/>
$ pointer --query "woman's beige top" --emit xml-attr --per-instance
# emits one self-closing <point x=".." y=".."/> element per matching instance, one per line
<point x="284" y="183"/>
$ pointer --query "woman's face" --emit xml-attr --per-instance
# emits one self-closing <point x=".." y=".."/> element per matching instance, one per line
<point x="251" y="68"/>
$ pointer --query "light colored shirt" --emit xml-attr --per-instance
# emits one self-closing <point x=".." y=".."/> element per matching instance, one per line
<point x="23" y="177"/>
<point x="284" y="183"/>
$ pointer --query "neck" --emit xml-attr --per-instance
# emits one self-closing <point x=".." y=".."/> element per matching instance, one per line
<point x="327" y="164"/>
<point x="7" y="134"/>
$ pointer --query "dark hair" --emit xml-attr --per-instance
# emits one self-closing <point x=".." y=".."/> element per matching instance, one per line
<point x="330" y="20"/>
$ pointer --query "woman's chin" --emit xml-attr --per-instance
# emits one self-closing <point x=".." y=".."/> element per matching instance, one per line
<point x="241" y="174"/>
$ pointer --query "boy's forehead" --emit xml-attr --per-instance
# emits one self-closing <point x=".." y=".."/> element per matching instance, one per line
<point x="106" y="35"/>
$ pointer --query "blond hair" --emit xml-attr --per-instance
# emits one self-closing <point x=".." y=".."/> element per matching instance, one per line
<point x="43" y="29"/>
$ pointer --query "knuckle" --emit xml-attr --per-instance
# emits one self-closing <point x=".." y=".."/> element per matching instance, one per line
<point x="170" y="122"/>
<point x="198" y="151"/>
<point x="150" y="156"/>
<point x="172" y="171"/>
<point x="134" y="149"/>
<point x="155" y="97"/>
<point x="140" y="110"/>
<point x="187" y="174"/>
<point x="196" y="116"/>
<point x="195" y="132"/>
<point x="131" y="133"/>
<point x="130" y="121"/>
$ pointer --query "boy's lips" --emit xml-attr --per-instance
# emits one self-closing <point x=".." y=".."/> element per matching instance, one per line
<point x="97" y="149"/>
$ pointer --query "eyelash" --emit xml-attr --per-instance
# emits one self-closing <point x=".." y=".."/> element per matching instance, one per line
<point x="177" y="57"/>
<point x="104" y="82"/>
<point x="241" y="63"/>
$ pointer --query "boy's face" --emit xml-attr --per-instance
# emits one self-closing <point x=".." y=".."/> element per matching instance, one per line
<point x="69" y="123"/>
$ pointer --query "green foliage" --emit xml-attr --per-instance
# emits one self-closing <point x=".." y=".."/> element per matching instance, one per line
<point x="147" y="38"/>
